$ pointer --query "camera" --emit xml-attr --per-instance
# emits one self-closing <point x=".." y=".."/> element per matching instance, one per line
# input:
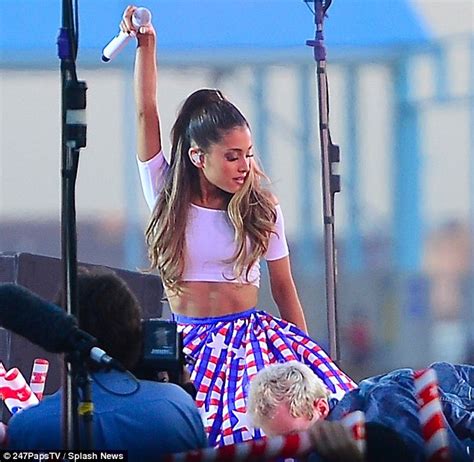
<point x="162" y="352"/>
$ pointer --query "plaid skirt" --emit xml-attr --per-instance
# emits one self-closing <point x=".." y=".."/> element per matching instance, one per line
<point x="229" y="350"/>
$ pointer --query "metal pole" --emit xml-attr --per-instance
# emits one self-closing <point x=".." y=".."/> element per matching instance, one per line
<point x="330" y="181"/>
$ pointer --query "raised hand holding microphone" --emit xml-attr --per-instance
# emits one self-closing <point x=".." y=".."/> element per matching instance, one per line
<point x="134" y="19"/>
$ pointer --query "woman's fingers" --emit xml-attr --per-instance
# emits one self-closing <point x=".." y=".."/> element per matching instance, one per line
<point x="333" y="441"/>
<point x="126" y="25"/>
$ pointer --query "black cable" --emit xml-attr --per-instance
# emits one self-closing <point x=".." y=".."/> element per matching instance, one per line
<point x="326" y="6"/>
<point x="76" y="29"/>
<point x="309" y="8"/>
<point x="112" y="392"/>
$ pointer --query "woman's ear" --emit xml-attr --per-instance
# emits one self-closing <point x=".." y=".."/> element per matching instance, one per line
<point x="195" y="155"/>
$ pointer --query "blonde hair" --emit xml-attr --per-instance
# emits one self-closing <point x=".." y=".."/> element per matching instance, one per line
<point x="292" y="383"/>
<point x="203" y="120"/>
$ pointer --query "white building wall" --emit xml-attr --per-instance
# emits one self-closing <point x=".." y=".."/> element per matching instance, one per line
<point x="30" y="134"/>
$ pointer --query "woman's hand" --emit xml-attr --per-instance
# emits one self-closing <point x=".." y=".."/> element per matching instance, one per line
<point x="127" y="26"/>
<point x="145" y="85"/>
<point x="333" y="441"/>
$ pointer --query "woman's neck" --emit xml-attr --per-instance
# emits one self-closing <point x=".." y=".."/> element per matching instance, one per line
<point x="211" y="197"/>
<point x="211" y="203"/>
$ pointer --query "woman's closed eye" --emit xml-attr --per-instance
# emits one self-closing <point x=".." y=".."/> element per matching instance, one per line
<point x="233" y="157"/>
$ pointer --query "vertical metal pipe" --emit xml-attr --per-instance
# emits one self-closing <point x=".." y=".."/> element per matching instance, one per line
<point x="407" y="220"/>
<point x="354" y="254"/>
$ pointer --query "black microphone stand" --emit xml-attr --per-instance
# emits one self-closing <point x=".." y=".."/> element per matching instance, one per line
<point x="330" y="181"/>
<point x="74" y="129"/>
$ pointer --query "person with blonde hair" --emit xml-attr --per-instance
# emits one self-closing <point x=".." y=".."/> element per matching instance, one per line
<point x="288" y="398"/>
<point x="291" y="386"/>
<point x="213" y="220"/>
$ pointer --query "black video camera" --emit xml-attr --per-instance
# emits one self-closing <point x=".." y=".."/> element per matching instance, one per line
<point x="162" y="352"/>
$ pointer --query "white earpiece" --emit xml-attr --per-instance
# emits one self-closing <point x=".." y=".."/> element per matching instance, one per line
<point x="196" y="158"/>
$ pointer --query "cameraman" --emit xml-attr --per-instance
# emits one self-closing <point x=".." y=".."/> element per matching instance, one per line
<point x="148" y="419"/>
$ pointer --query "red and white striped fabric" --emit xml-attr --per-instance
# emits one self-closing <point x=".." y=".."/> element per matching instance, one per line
<point x="3" y="427"/>
<point x="229" y="350"/>
<point x="295" y="445"/>
<point x="431" y="416"/>
<point x="38" y="377"/>
<point x="15" y="392"/>
<point x="289" y="446"/>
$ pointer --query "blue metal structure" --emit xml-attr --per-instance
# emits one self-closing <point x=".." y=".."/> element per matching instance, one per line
<point x="471" y="167"/>
<point x="407" y="220"/>
<point x="354" y="255"/>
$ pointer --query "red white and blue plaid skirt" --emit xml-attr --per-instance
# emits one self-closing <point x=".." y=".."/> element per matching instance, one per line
<point x="229" y="350"/>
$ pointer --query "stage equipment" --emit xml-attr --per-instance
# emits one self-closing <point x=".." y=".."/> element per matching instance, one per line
<point x="48" y="325"/>
<point x="42" y="275"/>
<point x="331" y="184"/>
<point x="162" y="351"/>
<point x="74" y="131"/>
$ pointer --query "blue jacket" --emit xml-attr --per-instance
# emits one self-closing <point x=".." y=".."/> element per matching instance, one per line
<point x="390" y="400"/>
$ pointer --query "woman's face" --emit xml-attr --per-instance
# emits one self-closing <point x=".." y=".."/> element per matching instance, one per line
<point x="226" y="164"/>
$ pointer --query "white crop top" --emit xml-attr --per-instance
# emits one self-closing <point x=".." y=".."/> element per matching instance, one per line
<point x="209" y="234"/>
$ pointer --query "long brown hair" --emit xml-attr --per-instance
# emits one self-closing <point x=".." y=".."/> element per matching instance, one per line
<point x="205" y="117"/>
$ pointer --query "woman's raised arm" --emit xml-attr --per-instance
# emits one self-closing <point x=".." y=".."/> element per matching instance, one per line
<point x="145" y="83"/>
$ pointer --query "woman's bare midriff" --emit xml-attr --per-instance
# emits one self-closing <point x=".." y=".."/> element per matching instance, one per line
<point x="206" y="299"/>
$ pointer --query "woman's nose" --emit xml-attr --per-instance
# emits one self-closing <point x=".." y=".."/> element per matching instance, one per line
<point x="244" y="164"/>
